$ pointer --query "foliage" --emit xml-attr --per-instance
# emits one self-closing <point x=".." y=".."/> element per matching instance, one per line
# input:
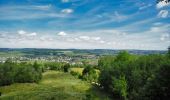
<point x="58" y="66"/>
<point x="89" y="74"/>
<point x="78" y="70"/>
<point x="11" y="72"/>
<point x="129" y="76"/>
<point x="76" y="74"/>
<point x="123" y="56"/>
<point x="105" y="62"/>
<point x="157" y="87"/>
<point x="114" y="82"/>
<point x="66" y="67"/>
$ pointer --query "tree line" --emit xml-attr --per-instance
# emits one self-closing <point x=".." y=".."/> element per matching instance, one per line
<point x="136" y="77"/>
<point x="25" y="72"/>
<point x="11" y="72"/>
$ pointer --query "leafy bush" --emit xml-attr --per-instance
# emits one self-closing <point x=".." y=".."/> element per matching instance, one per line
<point x="76" y="74"/>
<point x="136" y="77"/>
<point x="12" y="72"/>
<point x="157" y="87"/>
<point x="89" y="74"/>
<point x="66" y="67"/>
<point x="54" y="66"/>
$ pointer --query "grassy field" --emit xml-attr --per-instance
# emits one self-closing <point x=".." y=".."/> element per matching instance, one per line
<point x="11" y="54"/>
<point x="80" y="70"/>
<point x="53" y="86"/>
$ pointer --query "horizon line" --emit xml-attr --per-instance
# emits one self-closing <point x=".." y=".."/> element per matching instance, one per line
<point x="86" y="49"/>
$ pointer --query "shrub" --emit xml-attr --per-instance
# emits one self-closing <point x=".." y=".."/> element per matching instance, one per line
<point x="7" y="72"/>
<point x="54" y="66"/>
<point x="89" y="74"/>
<point x="12" y="72"/>
<point x="158" y="88"/>
<point x="76" y="74"/>
<point x="66" y="67"/>
<point x="144" y="77"/>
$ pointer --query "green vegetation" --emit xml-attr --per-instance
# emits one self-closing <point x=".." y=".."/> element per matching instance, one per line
<point x="11" y="72"/>
<point x="90" y="74"/>
<point x="11" y="54"/>
<point x="122" y="77"/>
<point x="66" y="67"/>
<point x="58" y="66"/>
<point x="53" y="86"/>
<point x="77" y="70"/>
<point x="133" y="77"/>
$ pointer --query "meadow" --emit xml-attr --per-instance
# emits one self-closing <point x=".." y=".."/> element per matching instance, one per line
<point x="54" y="85"/>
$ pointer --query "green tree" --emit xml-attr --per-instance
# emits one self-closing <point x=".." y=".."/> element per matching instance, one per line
<point x="7" y="72"/>
<point x="123" y="57"/>
<point x="66" y="67"/>
<point x="120" y="86"/>
<point x="157" y="87"/>
<point x="105" y="62"/>
<point x="11" y="72"/>
<point x="89" y="74"/>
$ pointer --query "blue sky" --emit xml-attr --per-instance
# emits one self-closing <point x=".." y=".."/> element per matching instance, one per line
<point x="85" y="24"/>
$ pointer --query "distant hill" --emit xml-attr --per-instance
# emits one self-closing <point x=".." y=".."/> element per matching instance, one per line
<point x="66" y="52"/>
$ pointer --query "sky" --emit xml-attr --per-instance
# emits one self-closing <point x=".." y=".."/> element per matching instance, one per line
<point x="85" y="24"/>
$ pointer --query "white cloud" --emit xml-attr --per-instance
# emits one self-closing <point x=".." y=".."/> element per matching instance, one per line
<point x="109" y="43"/>
<point x="119" y="17"/>
<point x="159" y="29"/>
<point x="67" y="11"/>
<point x="144" y="7"/>
<point x="92" y="39"/>
<point x="162" y="4"/>
<point x="156" y="37"/>
<point x="77" y="39"/>
<point x="21" y="32"/>
<point x="165" y="37"/>
<point x="157" y="24"/>
<point x="23" y="12"/>
<point x="2" y="35"/>
<point x="88" y="38"/>
<point x="65" y="1"/>
<point x="73" y="39"/>
<point x="96" y="38"/>
<point x="155" y="29"/>
<point x="102" y="41"/>
<point x="85" y="38"/>
<point x="41" y="7"/>
<point x="62" y="33"/>
<point x="163" y="14"/>
<point x="26" y="35"/>
<point x="42" y="38"/>
<point x="45" y="38"/>
<point x="32" y="34"/>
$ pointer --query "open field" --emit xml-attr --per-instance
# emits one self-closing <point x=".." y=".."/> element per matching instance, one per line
<point x="80" y="70"/>
<point x="53" y="86"/>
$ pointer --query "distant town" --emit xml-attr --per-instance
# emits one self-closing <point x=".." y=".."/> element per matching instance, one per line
<point x="71" y="56"/>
